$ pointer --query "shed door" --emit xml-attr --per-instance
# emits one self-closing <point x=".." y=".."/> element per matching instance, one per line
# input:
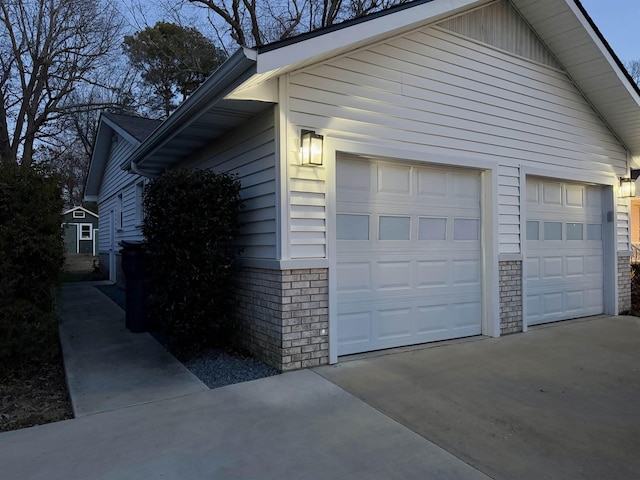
<point x="71" y="237"/>
<point x="564" y="255"/>
<point x="408" y="254"/>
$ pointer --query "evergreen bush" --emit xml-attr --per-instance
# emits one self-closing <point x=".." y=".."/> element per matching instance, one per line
<point x="191" y="220"/>
<point x="32" y="255"/>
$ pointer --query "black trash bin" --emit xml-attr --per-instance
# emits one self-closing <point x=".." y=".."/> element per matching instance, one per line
<point x="133" y="266"/>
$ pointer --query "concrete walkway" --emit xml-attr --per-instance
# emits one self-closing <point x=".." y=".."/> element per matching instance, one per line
<point x="140" y="415"/>
<point x="108" y="367"/>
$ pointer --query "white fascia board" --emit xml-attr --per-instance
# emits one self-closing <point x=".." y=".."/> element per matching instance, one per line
<point x="80" y="208"/>
<point x="341" y="38"/>
<point x="603" y="50"/>
<point x="266" y="91"/>
<point x="98" y="158"/>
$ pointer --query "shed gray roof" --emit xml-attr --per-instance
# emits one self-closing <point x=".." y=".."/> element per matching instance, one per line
<point x="138" y="127"/>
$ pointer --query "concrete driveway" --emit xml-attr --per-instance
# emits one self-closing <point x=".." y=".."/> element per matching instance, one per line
<point x="561" y="401"/>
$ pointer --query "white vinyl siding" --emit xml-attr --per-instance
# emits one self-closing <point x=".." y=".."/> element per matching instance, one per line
<point x="115" y="182"/>
<point x="249" y="152"/>
<point x="500" y="25"/>
<point x="441" y="95"/>
<point x="509" y="209"/>
<point x="623" y="224"/>
<point x="308" y="215"/>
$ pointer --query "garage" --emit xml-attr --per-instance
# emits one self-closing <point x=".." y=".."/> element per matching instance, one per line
<point x="408" y="254"/>
<point x="564" y="251"/>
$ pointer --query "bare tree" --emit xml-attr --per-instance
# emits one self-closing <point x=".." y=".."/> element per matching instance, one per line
<point x="633" y="67"/>
<point x="49" y="49"/>
<point x="258" y="22"/>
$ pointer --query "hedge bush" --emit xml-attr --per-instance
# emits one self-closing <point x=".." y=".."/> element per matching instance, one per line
<point x="32" y="255"/>
<point x="191" y="220"/>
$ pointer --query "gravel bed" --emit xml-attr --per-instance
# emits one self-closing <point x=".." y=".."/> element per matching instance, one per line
<point x="214" y="367"/>
<point x="217" y="368"/>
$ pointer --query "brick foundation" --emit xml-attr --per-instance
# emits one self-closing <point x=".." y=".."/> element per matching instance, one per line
<point x="282" y="316"/>
<point x="624" y="283"/>
<point x="510" y="296"/>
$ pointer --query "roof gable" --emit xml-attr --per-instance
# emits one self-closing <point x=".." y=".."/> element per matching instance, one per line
<point x="498" y="25"/>
<point x="559" y="33"/>
<point x="75" y="209"/>
<point x="133" y="130"/>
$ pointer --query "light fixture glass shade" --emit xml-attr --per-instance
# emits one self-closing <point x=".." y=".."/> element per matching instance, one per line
<point x="311" y="148"/>
<point x="627" y="187"/>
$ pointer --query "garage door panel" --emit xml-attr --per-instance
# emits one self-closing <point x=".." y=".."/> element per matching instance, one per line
<point x="466" y="316"/>
<point x="393" y="275"/>
<point x="433" y="319"/>
<point x="552" y="303"/>
<point x="593" y="298"/>
<point x="552" y="268"/>
<point x="593" y="265"/>
<point x="552" y="194"/>
<point x="575" y="266"/>
<point x="432" y="184"/>
<point x="395" y="323"/>
<point x="465" y="186"/>
<point x="355" y="328"/>
<point x="423" y="274"/>
<point x="574" y="196"/>
<point x="466" y="272"/>
<point x="394" y="179"/>
<point x="354" y="277"/>
<point x="575" y="300"/>
<point x="433" y="273"/>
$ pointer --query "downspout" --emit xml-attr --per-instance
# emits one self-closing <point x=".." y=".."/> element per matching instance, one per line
<point x="135" y="169"/>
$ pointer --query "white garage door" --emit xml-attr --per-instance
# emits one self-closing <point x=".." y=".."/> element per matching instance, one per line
<point x="408" y="268"/>
<point x="564" y="259"/>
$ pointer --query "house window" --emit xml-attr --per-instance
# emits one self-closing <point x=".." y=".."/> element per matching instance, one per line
<point x="139" y="197"/>
<point x="85" y="232"/>
<point x="78" y="214"/>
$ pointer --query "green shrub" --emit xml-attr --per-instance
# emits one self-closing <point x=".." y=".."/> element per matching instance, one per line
<point x="32" y="255"/>
<point x="191" y="220"/>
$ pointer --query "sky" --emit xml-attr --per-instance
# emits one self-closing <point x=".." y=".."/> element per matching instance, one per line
<point x="619" y="22"/>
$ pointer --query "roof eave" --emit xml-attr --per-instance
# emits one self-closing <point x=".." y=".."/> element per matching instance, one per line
<point x="231" y="73"/>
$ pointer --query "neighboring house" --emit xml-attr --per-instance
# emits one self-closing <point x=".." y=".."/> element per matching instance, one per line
<point x="80" y="231"/>
<point x="470" y="179"/>
<point x="118" y="193"/>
